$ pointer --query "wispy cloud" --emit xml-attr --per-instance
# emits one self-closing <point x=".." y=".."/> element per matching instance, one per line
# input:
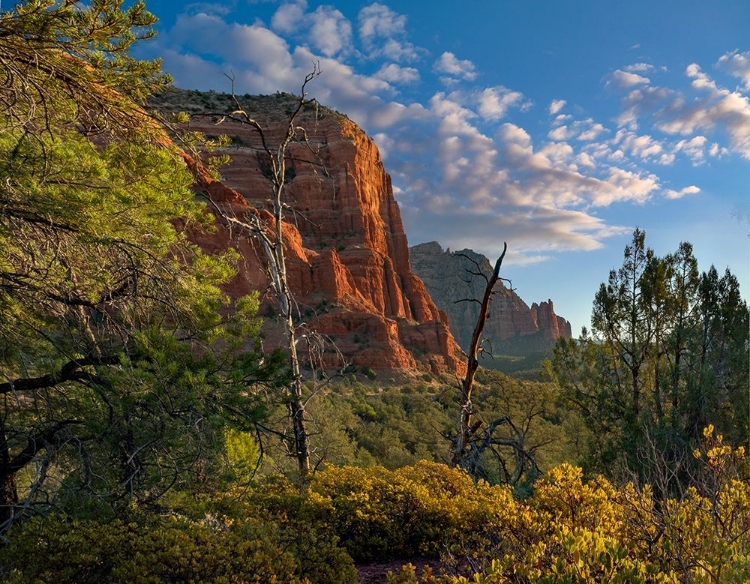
<point x="691" y="190"/>
<point x="738" y="64"/>
<point x="624" y="79"/>
<point x="639" y="68"/>
<point x="699" y="113"/>
<point x="454" y="68"/>
<point x="393" y="73"/>
<point x="383" y="31"/>
<point x="556" y="106"/>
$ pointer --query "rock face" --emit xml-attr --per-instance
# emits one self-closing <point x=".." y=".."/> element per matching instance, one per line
<point x="347" y="253"/>
<point x="447" y="279"/>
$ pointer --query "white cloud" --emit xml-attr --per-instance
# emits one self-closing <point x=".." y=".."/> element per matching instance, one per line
<point x="494" y="102"/>
<point x="561" y="133"/>
<point x="701" y="80"/>
<point x="623" y="79"/>
<point x="584" y="130"/>
<point x="704" y="109"/>
<point x="385" y="143"/>
<point x="641" y="146"/>
<point x="330" y="31"/>
<point x="393" y="73"/>
<point x="583" y="159"/>
<point x="593" y="131"/>
<point x="643" y="100"/>
<point x="382" y="32"/>
<point x="532" y="233"/>
<point x="255" y="54"/>
<point x="378" y="20"/>
<point x="721" y="111"/>
<point x="558" y="153"/>
<point x="738" y="64"/>
<point x="691" y="190"/>
<point x="399" y="51"/>
<point x="513" y="134"/>
<point x="556" y="105"/>
<point x="694" y="148"/>
<point x="449" y="64"/>
<point x="326" y="29"/>
<point x="289" y="17"/>
<point x="454" y="117"/>
<point x="639" y="68"/>
<point x="627" y="185"/>
<point x="207" y="8"/>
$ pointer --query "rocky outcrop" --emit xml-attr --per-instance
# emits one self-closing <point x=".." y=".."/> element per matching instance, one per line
<point x="347" y="253"/>
<point x="448" y="279"/>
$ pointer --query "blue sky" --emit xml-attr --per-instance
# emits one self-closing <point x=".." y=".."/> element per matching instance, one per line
<point x="558" y="127"/>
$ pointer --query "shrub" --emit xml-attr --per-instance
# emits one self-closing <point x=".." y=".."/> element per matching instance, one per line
<point x="57" y="551"/>
<point x="416" y="510"/>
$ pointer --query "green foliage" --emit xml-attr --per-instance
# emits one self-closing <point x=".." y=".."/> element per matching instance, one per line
<point x="120" y="371"/>
<point x="243" y="454"/>
<point x="168" y="550"/>
<point x="591" y="532"/>
<point x="359" y="423"/>
<point x="381" y="514"/>
<point x="568" y="530"/>
<point x="667" y="355"/>
<point x="61" y="61"/>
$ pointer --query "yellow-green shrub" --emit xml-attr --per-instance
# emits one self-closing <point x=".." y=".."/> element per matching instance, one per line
<point x="416" y="510"/>
<point x="591" y="532"/>
<point x="51" y="550"/>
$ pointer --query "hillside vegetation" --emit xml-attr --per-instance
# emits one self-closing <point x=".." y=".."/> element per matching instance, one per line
<point x="143" y="430"/>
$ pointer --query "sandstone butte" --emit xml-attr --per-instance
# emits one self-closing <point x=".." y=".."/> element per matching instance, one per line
<point x="447" y="279"/>
<point x="347" y="253"/>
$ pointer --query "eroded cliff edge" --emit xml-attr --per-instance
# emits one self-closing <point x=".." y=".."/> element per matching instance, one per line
<point x="347" y="253"/>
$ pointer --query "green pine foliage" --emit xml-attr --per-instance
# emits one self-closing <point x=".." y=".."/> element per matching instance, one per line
<point x="120" y="371"/>
<point x="666" y="357"/>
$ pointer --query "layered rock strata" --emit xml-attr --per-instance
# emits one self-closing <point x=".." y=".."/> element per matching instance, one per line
<point x="347" y="254"/>
<point x="448" y="279"/>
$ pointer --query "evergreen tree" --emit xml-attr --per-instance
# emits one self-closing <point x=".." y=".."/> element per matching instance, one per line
<point x="667" y="356"/>
<point x="118" y="371"/>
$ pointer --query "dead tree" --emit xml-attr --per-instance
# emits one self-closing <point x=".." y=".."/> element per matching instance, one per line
<point x="271" y="238"/>
<point x="464" y="435"/>
<point x="475" y="437"/>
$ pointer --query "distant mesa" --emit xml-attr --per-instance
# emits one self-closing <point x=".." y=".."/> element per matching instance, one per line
<point x="513" y="327"/>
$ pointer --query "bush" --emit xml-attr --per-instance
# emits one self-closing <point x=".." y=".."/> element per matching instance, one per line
<point x="416" y="510"/>
<point x="590" y="532"/>
<point x="52" y="550"/>
<point x="233" y="542"/>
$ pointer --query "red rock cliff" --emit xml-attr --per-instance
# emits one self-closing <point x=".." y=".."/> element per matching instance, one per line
<point x="446" y="276"/>
<point x="347" y="253"/>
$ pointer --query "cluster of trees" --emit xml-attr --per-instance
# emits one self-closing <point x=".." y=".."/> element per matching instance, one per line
<point x="119" y="376"/>
<point x="667" y="356"/>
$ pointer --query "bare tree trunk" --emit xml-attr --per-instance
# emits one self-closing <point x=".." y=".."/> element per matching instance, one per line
<point x="272" y="241"/>
<point x="463" y="437"/>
